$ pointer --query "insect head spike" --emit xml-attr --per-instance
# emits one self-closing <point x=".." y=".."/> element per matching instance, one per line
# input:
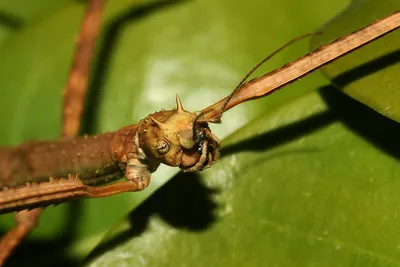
<point x="159" y="124"/>
<point x="179" y="106"/>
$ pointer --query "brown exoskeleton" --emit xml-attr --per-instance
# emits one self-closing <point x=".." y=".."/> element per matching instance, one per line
<point x="172" y="137"/>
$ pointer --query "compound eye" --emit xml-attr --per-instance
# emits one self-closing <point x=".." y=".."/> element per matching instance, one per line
<point x="162" y="146"/>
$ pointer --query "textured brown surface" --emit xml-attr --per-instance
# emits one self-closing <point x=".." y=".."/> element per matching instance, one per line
<point x="18" y="167"/>
<point x="88" y="157"/>
<point x="38" y="173"/>
<point x="77" y="83"/>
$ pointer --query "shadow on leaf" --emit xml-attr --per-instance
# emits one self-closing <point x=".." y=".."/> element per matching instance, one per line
<point x="367" y="68"/>
<point x="10" y="21"/>
<point x="45" y="252"/>
<point x="377" y="129"/>
<point x="184" y="202"/>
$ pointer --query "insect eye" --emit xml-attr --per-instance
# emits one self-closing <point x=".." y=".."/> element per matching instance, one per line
<point x="162" y="146"/>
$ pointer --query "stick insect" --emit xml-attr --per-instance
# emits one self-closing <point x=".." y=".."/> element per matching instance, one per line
<point x="173" y="137"/>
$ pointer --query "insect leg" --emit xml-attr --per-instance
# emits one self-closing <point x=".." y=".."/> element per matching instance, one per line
<point x="199" y="165"/>
<point x="213" y="137"/>
<point x="72" y="108"/>
<point x="138" y="173"/>
<point x="26" y="221"/>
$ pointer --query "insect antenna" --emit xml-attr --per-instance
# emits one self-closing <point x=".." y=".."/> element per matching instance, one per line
<point x="217" y="118"/>
<point x="243" y="81"/>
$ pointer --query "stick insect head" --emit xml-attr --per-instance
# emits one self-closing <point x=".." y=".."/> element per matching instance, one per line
<point x="169" y="136"/>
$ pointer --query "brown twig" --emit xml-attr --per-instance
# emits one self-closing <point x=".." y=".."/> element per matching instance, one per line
<point x="270" y="82"/>
<point x="74" y="97"/>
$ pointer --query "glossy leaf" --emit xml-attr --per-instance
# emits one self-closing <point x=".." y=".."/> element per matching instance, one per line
<point x="14" y="15"/>
<point x="370" y="74"/>
<point x="148" y="52"/>
<point x="309" y="184"/>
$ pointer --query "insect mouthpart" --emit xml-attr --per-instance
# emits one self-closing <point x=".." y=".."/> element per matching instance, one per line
<point x="173" y="137"/>
<point x="206" y="150"/>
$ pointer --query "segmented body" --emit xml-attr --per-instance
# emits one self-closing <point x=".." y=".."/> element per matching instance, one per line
<point x="94" y="159"/>
<point x="40" y="173"/>
<point x="35" y="161"/>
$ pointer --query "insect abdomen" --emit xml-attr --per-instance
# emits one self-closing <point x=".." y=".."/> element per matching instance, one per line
<point x="34" y="161"/>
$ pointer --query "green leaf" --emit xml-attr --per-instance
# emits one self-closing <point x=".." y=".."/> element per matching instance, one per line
<point x="14" y="15"/>
<point x="313" y="182"/>
<point x="309" y="184"/>
<point x="370" y="74"/>
<point x="148" y="51"/>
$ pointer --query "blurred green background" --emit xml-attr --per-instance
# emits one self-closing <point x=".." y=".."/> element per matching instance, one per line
<point x="308" y="176"/>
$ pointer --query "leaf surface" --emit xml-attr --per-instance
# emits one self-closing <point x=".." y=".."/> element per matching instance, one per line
<point x="370" y="74"/>
<point x="148" y="51"/>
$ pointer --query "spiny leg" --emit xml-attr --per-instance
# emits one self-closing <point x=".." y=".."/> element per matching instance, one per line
<point x="215" y="144"/>
<point x="210" y="160"/>
<point x="199" y="165"/>
<point x="74" y="97"/>
<point x="213" y="137"/>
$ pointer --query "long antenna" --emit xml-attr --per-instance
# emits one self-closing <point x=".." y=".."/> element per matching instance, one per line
<point x="240" y="84"/>
<point x="290" y="72"/>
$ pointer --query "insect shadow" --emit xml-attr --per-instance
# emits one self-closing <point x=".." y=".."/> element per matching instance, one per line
<point x="185" y="203"/>
<point x="374" y="127"/>
<point x="367" y="68"/>
<point x="377" y="129"/>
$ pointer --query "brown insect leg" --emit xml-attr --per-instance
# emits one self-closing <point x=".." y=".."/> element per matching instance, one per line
<point x="215" y="143"/>
<point x="59" y="190"/>
<point x="114" y="188"/>
<point x="210" y="160"/>
<point x="138" y="173"/>
<point x="213" y="137"/>
<point x="75" y="90"/>
<point x="26" y="221"/>
<point x="74" y="97"/>
<point x="203" y="158"/>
